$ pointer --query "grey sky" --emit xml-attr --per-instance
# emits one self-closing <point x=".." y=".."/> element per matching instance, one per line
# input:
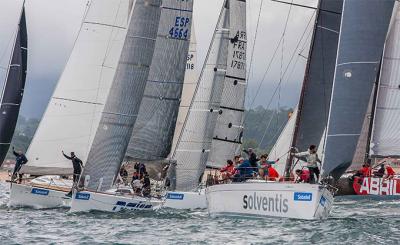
<point x="53" y="26"/>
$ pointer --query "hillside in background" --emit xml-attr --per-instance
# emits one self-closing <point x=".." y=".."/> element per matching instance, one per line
<point x="262" y="128"/>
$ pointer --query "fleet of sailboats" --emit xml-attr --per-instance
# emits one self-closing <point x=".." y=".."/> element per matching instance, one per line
<point x="130" y="92"/>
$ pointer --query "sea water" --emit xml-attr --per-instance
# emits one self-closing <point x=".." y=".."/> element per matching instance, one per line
<point x="353" y="221"/>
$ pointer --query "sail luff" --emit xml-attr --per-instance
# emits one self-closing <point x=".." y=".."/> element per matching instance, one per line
<point x="123" y="102"/>
<point x="12" y="92"/>
<point x="154" y="128"/>
<point x="364" y="28"/>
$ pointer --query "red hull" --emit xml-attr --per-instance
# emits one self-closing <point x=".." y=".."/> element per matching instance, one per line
<point x="377" y="186"/>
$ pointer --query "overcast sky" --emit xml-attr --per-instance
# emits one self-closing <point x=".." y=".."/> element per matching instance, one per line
<point x="53" y="26"/>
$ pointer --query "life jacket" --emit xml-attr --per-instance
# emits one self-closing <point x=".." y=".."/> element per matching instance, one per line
<point x="390" y="171"/>
<point x="228" y="168"/>
<point x="272" y="174"/>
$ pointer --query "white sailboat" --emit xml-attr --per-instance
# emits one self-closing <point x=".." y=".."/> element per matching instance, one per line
<point x="213" y="127"/>
<point x="151" y="104"/>
<point x="74" y="111"/>
<point x="347" y="70"/>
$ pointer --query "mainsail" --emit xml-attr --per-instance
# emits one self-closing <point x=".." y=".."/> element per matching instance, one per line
<point x="228" y="132"/>
<point x="223" y="67"/>
<point x="189" y="86"/>
<point x="122" y="105"/>
<point x="155" y="125"/>
<point x="363" y="31"/>
<point x="74" y="111"/>
<point x="313" y="109"/>
<point x="13" y="87"/>
<point x="385" y="139"/>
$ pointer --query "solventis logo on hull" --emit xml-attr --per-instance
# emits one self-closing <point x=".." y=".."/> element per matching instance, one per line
<point x="275" y="204"/>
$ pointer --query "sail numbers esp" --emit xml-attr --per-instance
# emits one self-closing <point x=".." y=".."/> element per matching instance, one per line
<point x="180" y="30"/>
<point x="239" y="51"/>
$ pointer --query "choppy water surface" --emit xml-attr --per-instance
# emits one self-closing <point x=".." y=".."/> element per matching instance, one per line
<point x="352" y="221"/>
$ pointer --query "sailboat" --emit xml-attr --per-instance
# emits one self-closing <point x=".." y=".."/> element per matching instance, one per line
<point x="383" y="132"/>
<point x="213" y="127"/>
<point x="13" y="86"/>
<point x="152" y="106"/>
<point x="351" y="71"/>
<point x="75" y="108"/>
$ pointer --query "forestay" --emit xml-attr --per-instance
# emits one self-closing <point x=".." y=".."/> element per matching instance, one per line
<point x="362" y="36"/>
<point x="189" y="86"/>
<point x="154" y="128"/>
<point x="126" y="92"/>
<point x="386" y="130"/>
<point x="13" y="87"/>
<point x="74" y="110"/>
<point x="228" y="132"/>
<point x="194" y="142"/>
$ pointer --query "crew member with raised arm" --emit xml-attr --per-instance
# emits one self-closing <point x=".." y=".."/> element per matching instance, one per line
<point x="77" y="165"/>
<point x="312" y="159"/>
<point x="20" y="159"/>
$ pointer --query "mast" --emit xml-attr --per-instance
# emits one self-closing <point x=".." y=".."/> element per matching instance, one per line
<point x="13" y="88"/>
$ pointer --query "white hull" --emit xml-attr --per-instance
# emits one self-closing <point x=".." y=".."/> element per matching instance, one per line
<point x="37" y="197"/>
<point x="299" y="201"/>
<point x="186" y="200"/>
<point x="85" y="201"/>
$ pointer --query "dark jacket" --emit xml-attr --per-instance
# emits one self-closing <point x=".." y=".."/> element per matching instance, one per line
<point x="20" y="159"/>
<point x="76" y="163"/>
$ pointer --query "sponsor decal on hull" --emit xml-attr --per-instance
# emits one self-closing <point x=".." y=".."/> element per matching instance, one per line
<point x="376" y="186"/>
<point x="82" y="196"/>
<point x="303" y="196"/>
<point x="269" y="204"/>
<point x="41" y="192"/>
<point x="175" y="196"/>
<point x="121" y="205"/>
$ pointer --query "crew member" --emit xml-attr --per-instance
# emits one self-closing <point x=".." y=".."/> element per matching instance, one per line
<point x="77" y="165"/>
<point x="312" y="159"/>
<point x="228" y="171"/>
<point x="20" y="159"/>
<point x="390" y="172"/>
<point x="272" y="174"/>
<point x="304" y="176"/>
<point x="380" y="172"/>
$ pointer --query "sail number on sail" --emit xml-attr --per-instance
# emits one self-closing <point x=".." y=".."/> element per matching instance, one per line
<point x="180" y="30"/>
<point x="239" y="51"/>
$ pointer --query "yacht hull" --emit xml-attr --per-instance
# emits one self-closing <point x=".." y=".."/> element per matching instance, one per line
<point x="262" y="199"/>
<point x="186" y="200"/>
<point x="85" y="201"/>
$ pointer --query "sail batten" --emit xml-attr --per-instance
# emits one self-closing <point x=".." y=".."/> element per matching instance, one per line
<point x="363" y="32"/>
<point x="13" y="87"/>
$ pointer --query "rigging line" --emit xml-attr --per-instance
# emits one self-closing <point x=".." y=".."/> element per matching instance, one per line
<point x="291" y="73"/>
<point x="270" y="64"/>
<point x="254" y="43"/>
<point x="265" y="132"/>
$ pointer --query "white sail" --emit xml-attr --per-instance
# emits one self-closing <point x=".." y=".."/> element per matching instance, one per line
<point x="282" y="145"/>
<point x="189" y="86"/>
<point x="74" y="111"/>
<point x="385" y="139"/>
